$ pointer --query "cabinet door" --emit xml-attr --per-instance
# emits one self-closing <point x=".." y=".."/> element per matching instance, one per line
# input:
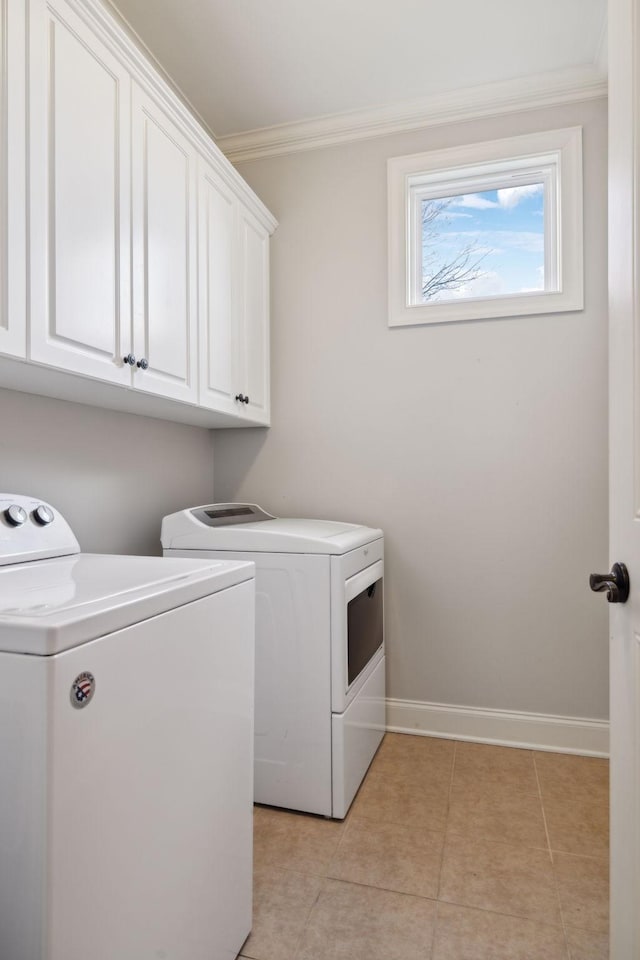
<point x="80" y="199"/>
<point x="218" y="301"/>
<point x="253" y="318"/>
<point x="12" y="179"/>
<point x="164" y="253"/>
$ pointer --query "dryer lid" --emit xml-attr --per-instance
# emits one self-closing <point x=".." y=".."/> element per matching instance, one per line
<point x="247" y="528"/>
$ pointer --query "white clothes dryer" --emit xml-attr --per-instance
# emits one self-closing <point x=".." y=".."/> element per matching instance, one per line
<point x="126" y="743"/>
<point x="320" y="656"/>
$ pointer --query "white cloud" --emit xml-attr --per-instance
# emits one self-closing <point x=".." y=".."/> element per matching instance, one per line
<point x="495" y="240"/>
<point x="510" y="197"/>
<point x="475" y="201"/>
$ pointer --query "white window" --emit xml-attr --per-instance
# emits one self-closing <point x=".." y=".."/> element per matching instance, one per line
<point x="487" y="230"/>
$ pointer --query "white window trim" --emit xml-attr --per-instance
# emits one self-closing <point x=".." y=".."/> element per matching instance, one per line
<point x="443" y="172"/>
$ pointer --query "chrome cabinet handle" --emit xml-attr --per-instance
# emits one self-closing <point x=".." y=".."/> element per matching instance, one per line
<point x="239" y="397"/>
<point x="143" y="364"/>
<point x="130" y="359"/>
<point x="615" y="583"/>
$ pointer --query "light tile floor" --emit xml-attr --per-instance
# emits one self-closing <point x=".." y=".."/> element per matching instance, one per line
<point x="451" y="851"/>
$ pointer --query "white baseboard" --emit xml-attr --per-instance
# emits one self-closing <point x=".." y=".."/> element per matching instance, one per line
<point x="511" y="729"/>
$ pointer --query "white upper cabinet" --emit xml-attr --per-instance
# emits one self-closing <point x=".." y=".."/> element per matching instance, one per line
<point x="138" y="256"/>
<point x="12" y="179"/>
<point x="80" y="197"/>
<point x="164" y="189"/>
<point x="253" y="316"/>
<point x="218" y="301"/>
<point x="234" y="303"/>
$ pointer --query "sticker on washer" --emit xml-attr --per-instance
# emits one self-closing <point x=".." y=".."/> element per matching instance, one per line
<point x="82" y="690"/>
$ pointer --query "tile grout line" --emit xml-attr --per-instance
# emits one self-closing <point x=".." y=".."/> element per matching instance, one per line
<point x="326" y="876"/>
<point x="323" y="882"/>
<point x="372" y="886"/>
<point x="296" y="949"/>
<point x="327" y="873"/>
<point x="444" y="843"/>
<point x="555" y="878"/>
<point x="446" y="825"/>
<point x="435" y="928"/>
<point x="453" y="770"/>
<point x="322" y="878"/>
<point x="453" y="903"/>
<point x="544" y="816"/>
<point x="416" y="896"/>
<point x="505" y="913"/>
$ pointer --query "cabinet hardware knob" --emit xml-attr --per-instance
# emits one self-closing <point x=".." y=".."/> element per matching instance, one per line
<point x="143" y="364"/>
<point x="130" y="359"/>
<point x="246" y="399"/>
<point x="239" y="398"/>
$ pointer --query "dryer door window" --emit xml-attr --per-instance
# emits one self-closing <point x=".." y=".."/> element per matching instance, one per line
<point x="364" y="628"/>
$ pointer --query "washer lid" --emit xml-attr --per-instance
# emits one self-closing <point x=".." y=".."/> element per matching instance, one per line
<point x="200" y="529"/>
<point x="52" y="605"/>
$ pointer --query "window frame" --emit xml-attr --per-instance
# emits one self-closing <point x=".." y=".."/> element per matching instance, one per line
<point x="553" y="158"/>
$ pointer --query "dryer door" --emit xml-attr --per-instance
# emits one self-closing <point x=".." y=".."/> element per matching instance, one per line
<point x="357" y="621"/>
<point x="363" y="596"/>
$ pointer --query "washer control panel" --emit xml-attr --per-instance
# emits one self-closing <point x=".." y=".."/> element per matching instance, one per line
<point x="32" y="530"/>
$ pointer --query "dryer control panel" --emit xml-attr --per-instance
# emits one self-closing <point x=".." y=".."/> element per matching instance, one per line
<point x="224" y="514"/>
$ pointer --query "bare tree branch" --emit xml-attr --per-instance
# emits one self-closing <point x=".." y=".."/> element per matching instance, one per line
<point x="463" y="268"/>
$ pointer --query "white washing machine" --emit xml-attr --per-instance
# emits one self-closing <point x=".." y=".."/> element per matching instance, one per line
<point x="320" y="658"/>
<point x="126" y="743"/>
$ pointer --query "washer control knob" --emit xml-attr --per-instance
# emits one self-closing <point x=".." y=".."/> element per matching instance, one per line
<point x="43" y="515"/>
<point x="15" y="515"/>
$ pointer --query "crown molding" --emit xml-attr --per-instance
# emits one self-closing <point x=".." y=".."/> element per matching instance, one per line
<point x="524" y="93"/>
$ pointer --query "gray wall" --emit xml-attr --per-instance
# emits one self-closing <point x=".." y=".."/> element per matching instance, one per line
<point x="480" y="448"/>
<point x="112" y="475"/>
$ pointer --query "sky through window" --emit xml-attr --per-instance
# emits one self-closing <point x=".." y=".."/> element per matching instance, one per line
<point x="484" y="244"/>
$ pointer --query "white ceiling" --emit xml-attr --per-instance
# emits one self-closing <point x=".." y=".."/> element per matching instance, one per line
<point x="245" y="64"/>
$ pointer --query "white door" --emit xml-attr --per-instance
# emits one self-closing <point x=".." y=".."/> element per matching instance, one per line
<point x="253" y="316"/>
<point x="13" y="322"/>
<point x="79" y="197"/>
<point x="218" y="294"/>
<point x="164" y="188"/>
<point x="624" y="308"/>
